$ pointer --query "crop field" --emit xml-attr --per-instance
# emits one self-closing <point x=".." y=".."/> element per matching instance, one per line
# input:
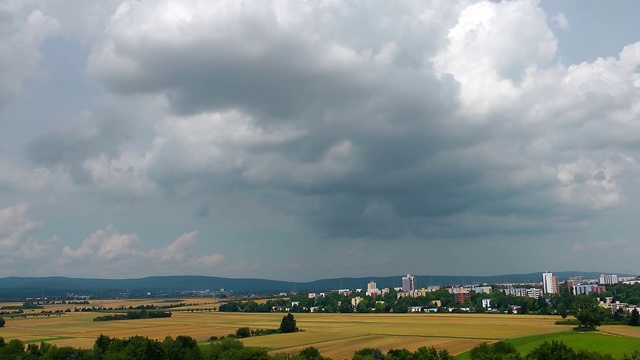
<point x="195" y="303"/>
<point x="336" y="335"/>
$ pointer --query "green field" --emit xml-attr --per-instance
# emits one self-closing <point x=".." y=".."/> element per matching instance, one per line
<point x="600" y="342"/>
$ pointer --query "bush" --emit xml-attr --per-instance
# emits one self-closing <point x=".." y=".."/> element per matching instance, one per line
<point x="243" y="332"/>
<point x="310" y="353"/>
<point x="368" y="354"/>
<point x="554" y="350"/>
<point x="573" y="322"/>
<point x="2" y="322"/>
<point x="495" y="351"/>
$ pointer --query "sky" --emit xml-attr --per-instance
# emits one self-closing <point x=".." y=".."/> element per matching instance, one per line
<point x="302" y="140"/>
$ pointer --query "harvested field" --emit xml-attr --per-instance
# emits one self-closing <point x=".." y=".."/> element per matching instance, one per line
<point x="336" y="335"/>
<point x="621" y="330"/>
<point x="195" y="303"/>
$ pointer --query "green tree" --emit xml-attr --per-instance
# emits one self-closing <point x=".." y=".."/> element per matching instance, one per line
<point x="634" y="320"/>
<point x="136" y="348"/>
<point x="554" y="350"/>
<point x="66" y="353"/>
<point x="182" y="348"/>
<point x="431" y="353"/>
<point x="587" y="312"/>
<point x="562" y="310"/>
<point x="243" y="332"/>
<point x="2" y="322"/>
<point x="14" y="349"/>
<point x="288" y="324"/>
<point x="397" y="354"/>
<point x="311" y="353"/>
<point x="368" y="354"/>
<point x="496" y="351"/>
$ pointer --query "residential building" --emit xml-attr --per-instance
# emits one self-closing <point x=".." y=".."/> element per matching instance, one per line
<point x="372" y="289"/>
<point x="549" y="283"/>
<point x="573" y="281"/>
<point x="587" y="289"/>
<point x="459" y="289"/>
<point x="523" y="292"/>
<point x="486" y="303"/>
<point x="461" y="297"/>
<point x="413" y="293"/>
<point x="608" y="279"/>
<point x="355" y="301"/>
<point x="482" y="289"/>
<point x="409" y="283"/>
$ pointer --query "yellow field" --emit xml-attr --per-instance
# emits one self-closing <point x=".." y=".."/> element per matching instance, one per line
<point x="197" y="303"/>
<point x="336" y="335"/>
<point x="621" y="330"/>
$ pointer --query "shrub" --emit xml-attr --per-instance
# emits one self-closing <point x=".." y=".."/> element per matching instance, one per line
<point x="243" y="332"/>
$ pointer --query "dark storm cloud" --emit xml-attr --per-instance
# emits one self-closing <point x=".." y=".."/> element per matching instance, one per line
<point x="100" y="132"/>
<point x="409" y="128"/>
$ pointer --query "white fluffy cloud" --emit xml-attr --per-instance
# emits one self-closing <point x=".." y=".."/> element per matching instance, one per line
<point x="19" y="242"/>
<point x="120" y="255"/>
<point x="23" y="28"/>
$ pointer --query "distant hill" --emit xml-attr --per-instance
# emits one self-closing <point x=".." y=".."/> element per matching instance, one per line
<point x="20" y="287"/>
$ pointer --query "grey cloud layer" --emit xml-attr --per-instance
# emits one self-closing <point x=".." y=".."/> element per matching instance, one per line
<point x="228" y="138"/>
<point x="409" y="120"/>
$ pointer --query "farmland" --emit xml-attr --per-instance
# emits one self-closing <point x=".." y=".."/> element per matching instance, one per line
<point x="336" y="335"/>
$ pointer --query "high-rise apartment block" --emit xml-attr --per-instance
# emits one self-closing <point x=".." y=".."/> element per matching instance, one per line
<point x="608" y="279"/>
<point x="549" y="283"/>
<point x="409" y="283"/>
<point x="372" y="289"/>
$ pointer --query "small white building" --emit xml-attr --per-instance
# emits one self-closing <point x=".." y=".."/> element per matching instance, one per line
<point x="486" y="303"/>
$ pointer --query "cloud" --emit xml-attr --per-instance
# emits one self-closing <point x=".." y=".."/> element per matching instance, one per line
<point x="177" y="250"/>
<point x="492" y="47"/>
<point x="453" y="121"/>
<point x="561" y="21"/>
<point x="120" y="255"/>
<point x="105" y="244"/>
<point x="23" y="28"/>
<point x="94" y="133"/>
<point x="621" y="248"/>
<point x="19" y="244"/>
<point x="16" y="177"/>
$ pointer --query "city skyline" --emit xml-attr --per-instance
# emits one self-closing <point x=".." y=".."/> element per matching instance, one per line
<point x="321" y="139"/>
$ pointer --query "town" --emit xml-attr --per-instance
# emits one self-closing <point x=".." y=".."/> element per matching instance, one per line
<point x="619" y="294"/>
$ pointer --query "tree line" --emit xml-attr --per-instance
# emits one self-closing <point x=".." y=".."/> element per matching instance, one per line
<point x="134" y="315"/>
<point x="187" y="348"/>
